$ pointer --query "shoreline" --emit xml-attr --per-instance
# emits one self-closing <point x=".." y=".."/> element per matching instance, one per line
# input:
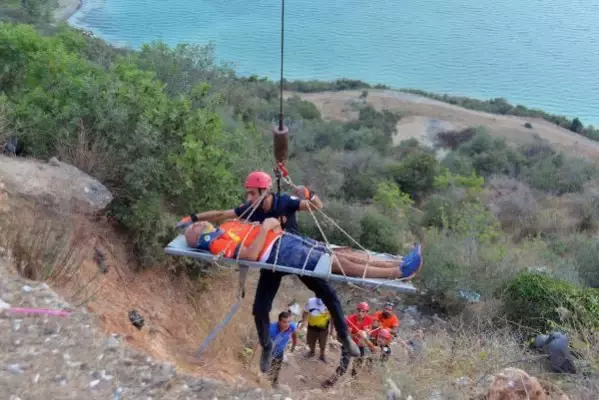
<point x="66" y="9"/>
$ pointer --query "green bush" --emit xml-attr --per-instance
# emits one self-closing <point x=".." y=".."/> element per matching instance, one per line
<point x="532" y="299"/>
<point x="415" y="174"/>
<point x="160" y="154"/>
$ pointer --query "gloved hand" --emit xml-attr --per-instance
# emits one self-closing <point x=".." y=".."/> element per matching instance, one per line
<point x="184" y="223"/>
<point x="302" y="192"/>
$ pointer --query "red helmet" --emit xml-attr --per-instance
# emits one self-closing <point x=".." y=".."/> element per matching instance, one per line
<point x="258" y="180"/>
<point x="363" y="306"/>
<point x="384" y="334"/>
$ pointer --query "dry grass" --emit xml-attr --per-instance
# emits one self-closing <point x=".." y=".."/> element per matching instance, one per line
<point x="462" y="357"/>
<point x="85" y="153"/>
<point x="41" y="248"/>
<point x="50" y="248"/>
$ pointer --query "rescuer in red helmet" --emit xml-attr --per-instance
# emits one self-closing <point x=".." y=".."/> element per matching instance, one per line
<point x="258" y="188"/>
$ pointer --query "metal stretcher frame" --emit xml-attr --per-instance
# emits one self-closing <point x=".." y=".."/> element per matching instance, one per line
<point x="178" y="247"/>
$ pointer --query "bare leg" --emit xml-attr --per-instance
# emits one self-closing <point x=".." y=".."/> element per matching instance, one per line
<point x="342" y="265"/>
<point x="361" y="258"/>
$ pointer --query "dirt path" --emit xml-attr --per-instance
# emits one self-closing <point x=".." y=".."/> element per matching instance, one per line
<point x="336" y="105"/>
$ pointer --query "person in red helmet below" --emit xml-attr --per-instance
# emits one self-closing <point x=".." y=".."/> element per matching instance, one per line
<point x="359" y="325"/>
<point x="381" y="338"/>
<point x="283" y="207"/>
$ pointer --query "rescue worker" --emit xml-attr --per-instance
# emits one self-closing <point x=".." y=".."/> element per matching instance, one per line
<point x="381" y="339"/>
<point x="318" y="317"/>
<point x="360" y="325"/>
<point x="387" y="319"/>
<point x="283" y="207"/>
<point x="281" y="331"/>
<point x="557" y="347"/>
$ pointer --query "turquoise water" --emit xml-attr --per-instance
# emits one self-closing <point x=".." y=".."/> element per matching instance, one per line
<point x="539" y="53"/>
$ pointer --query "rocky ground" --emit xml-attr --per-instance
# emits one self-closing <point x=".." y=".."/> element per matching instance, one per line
<point x="54" y="357"/>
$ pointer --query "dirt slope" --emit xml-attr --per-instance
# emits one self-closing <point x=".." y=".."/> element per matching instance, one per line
<point x="336" y="105"/>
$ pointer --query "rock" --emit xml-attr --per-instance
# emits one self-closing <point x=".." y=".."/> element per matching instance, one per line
<point x="285" y="389"/>
<point x="37" y="378"/>
<point x="146" y="376"/>
<point x="74" y="364"/>
<point x="111" y="342"/>
<point x="4" y="305"/>
<point x="515" y="384"/>
<point x="168" y="370"/>
<point x="104" y="376"/>
<point x="393" y="393"/>
<point x="26" y="289"/>
<point x="463" y="381"/>
<point x="436" y="395"/>
<point x="94" y="383"/>
<point x="15" y="369"/>
<point x="54" y="184"/>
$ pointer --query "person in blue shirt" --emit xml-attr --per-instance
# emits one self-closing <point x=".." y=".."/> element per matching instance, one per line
<point x="280" y="332"/>
<point x="283" y="207"/>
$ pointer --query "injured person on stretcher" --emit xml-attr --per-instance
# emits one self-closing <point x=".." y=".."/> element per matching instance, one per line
<point x="268" y="243"/>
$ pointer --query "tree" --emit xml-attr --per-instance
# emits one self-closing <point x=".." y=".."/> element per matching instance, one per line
<point x="415" y="174"/>
<point x="576" y="125"/>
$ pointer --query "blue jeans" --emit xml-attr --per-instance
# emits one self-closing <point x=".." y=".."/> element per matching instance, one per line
<point x="296" y="252"/>
<point x="269" y="282"/>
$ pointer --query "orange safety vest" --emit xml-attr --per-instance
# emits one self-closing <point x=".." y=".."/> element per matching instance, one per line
<point x="236" y="233"/>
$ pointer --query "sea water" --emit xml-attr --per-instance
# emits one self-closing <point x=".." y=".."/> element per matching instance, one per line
<point x="539" y="53"/>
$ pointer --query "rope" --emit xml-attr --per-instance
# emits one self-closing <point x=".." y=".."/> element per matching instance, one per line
<point x="282" y="53"/>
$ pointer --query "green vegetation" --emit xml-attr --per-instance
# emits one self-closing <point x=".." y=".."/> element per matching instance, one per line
<point x="535" y="299"/>
<point x="170" y="131"/>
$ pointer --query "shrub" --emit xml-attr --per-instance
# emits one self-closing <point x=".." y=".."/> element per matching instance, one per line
<point x="453" y="139"/>
<point x="532" y="299"/>
<point x="513" y="203"/>
<point x="415" y="174"/>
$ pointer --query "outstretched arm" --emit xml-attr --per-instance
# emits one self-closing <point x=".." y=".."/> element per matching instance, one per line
<point x="308" y="199"/>
<point x="213" y="216"/>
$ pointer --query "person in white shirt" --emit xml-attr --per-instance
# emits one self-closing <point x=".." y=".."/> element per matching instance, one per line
<point x="318" y="317"/>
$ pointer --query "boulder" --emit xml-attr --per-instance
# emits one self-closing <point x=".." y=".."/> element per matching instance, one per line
<point x="54" y="184"/>
<point x="515" y="384"/>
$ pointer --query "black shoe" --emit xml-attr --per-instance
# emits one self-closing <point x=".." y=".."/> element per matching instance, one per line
<point x="329" y="383"/>
<point x="353" y="348"/>
<point x="265" y="358"/>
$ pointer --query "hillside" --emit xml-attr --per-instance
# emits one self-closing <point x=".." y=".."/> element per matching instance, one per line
<point x="422" y="115"/>
<point x="119" y="145"/>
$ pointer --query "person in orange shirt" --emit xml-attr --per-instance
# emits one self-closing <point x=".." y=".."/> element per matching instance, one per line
<point x="386" y="319"/>
<point x="359" y="325"/>
<point x="268" y="244"/>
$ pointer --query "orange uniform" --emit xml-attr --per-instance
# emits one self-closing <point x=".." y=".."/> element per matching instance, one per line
<point x="355" y="326"/>
<point x="390" y="322"/>
<point x="236" y="233"/>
